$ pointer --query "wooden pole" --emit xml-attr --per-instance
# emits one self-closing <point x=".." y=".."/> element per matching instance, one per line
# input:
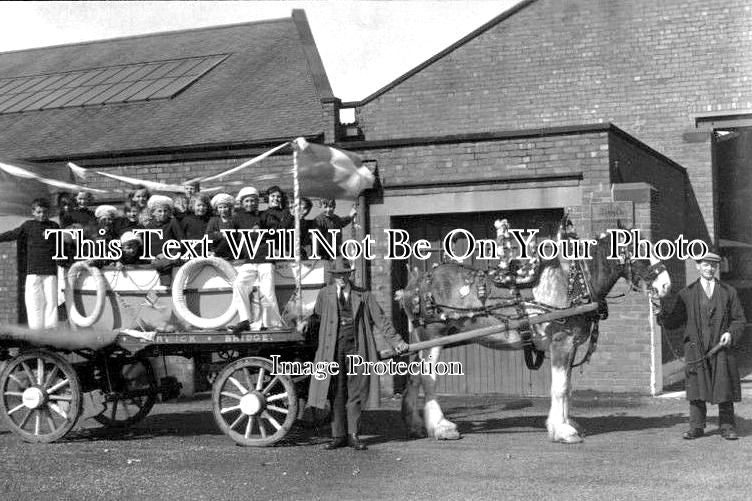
<point x="296" y="240"/>
<point x="495" y="329"/>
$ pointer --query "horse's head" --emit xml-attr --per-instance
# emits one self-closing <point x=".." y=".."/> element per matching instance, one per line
<point x="642" y="274"/>
<point x="650" y="275"/>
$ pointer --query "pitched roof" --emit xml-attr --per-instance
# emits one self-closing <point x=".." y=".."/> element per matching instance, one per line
<point x="266" y="83"/>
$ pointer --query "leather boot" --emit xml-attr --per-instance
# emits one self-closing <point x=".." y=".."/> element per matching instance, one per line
<point x="336" y="443"/>
<point x="356" y="444"/>
<point x="240" y="327"/>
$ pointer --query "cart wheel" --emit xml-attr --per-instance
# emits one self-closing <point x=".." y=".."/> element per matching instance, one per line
<point x="250" y="405"/>
<point x="132" y="394"/>
<point x="41" y="396"/>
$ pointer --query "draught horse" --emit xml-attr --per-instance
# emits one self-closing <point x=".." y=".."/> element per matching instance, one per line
<point x="450" y="299"/>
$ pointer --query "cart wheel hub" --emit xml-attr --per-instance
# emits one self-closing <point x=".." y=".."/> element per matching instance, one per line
<point x="33" y="398"/>
<point x="252" y="403"/>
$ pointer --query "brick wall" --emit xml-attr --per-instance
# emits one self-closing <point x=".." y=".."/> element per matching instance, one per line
<point x="500" y="165"/>
<point x="648" y="67"/>
<point x="592" y="159"/>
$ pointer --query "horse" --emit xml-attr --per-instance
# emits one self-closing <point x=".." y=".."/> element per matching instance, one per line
<point x="451" y="298"/>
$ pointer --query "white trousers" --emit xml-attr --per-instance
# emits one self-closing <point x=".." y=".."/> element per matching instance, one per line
<point x="41" y="301"/>
<point x="265" y="312"/>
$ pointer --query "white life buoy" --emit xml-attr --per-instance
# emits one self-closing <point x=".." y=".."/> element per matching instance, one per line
<point x="100" y="284"/>
<point x="184" y="275"/>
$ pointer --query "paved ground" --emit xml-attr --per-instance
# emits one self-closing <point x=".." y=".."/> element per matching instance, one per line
<point x="633" y="450"/>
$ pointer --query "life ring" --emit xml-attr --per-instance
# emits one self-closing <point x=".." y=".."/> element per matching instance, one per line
<point x="100" y="283"/>
<point x="184" y="275"/>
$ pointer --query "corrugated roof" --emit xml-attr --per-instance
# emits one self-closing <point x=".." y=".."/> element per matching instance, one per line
<point x="267" y="84"/>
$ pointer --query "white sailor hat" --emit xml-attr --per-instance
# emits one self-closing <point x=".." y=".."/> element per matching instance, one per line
<point x="246" y="192"/>
<point x="222" y="198"/>
<point x="158" y="201"/>
<point x="105" y="211"/>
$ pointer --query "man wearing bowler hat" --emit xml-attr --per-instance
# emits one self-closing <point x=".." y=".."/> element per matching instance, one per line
<point x="351" y="322"/>
<point x="713" y="322"/>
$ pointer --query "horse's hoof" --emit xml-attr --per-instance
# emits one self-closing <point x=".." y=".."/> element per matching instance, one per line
<point x="572" y="439"/>
<point x="447" y="435"/>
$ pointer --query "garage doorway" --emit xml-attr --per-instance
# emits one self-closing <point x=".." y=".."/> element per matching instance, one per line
<point x="486" y="370"/>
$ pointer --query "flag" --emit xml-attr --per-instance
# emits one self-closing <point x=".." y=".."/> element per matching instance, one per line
<point x="22" y="182"/>
<point x="327" y="172"/>
<point x="242" y="166"/>
<point x="151" y="185"/>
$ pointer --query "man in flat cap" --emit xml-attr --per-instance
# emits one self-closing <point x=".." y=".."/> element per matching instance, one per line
<point x="351" y="322"/>
<point x="713" y="322"/>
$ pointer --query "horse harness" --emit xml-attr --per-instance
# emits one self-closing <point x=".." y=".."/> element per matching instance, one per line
<point x="426" y="309"/>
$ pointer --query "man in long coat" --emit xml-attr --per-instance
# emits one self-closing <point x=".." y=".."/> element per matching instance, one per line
<point x="713" y="321"/>
<point x="351" y="322"/>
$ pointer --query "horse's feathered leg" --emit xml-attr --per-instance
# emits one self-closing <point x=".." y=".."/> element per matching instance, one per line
<point x="559" y="428"/>
<point x="436" y="424"/>
<point x="410" y="412"/>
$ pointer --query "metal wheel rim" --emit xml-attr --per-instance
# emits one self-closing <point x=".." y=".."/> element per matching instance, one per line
<point x="40" y="373"/>
<point x="251" y="406"/>
<point x="137" y="374"/>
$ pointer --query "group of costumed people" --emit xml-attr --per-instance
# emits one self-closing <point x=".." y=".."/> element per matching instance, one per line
<point x="190" y="216"/>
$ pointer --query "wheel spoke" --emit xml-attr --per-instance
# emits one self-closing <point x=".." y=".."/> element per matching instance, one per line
<point x="51" y="376"/>
<point x="262" y="429"/>
<point x="249" y="426"/>
<point x="63" y="398"/>
<point x="50" y="421"/>
<point x="57" y="386"/>
<point x="25" y="419"/>
<point x="277" y="409"/>
<point x="13" y="394"/>
<point x="16" y="409"/>
<point x="260" y="379"/>
<point x="247" y="377"/>
<point x="231" y="395"/>
<point x="237" y="384"/>
<point x="58" y="410"/>
<point x="37" y="422"/>
<point x="273" y="421"/>
<point x="278" y="396"/>
<point x="28" y="373"/>
<point x="40" y="371"/>
<point x="225" y="410"/>
<point x="271" y="383"/>
<point x="16" y="380"/>
<point x="237" y="421"/>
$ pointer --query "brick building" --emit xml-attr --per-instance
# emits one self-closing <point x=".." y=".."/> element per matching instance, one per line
<point x="604" y="109"/>
<point x="599" y="108"/>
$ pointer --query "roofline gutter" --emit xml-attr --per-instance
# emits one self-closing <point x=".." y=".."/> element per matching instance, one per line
<point x="211" y="151"/>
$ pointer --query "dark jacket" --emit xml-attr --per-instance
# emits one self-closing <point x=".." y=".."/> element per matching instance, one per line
<point x="243" y="220"/>
<point x="38" y="250"/>
<point x="171" y="230"/>
<point x="373" y="331"/>
<point x="194" y="227"/>
<point x="122" y="225"/>
<point x="275" y="218"/>
<point x="324" y="223"/>
<point x="79" y="215"/>
<point x="219" y="244"/>
<point x="714" y="379"/>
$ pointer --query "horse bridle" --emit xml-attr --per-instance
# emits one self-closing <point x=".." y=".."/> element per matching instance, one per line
<point x="652" y="274"/>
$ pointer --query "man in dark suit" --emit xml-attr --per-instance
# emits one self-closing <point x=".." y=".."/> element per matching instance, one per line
<point x="351" y="322"/>
<point x="713" y="322"/>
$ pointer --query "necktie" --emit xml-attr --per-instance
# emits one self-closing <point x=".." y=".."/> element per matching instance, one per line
<point x="708" y="288"/>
